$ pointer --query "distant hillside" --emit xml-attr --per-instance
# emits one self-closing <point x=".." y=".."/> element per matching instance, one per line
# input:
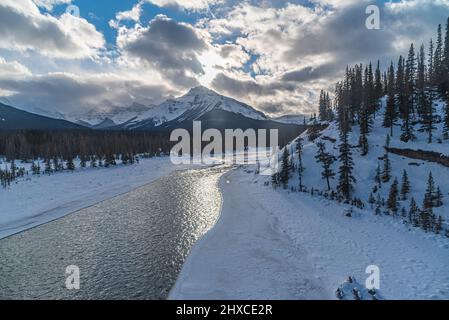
<point x="15" y="119"/>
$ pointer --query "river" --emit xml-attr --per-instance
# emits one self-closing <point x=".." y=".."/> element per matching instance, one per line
<point x="128" y="247"/>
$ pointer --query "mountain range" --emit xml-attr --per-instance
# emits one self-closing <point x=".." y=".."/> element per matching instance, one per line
<point x="200" y="103"/>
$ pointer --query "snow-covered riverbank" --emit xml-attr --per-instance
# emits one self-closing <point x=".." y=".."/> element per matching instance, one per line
<point x="35" y="200"/>
<point x="280" y="245"/>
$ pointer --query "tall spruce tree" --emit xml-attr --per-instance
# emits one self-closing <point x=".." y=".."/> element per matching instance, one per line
<point x="428" y="202"/>
<point x="405" y="187"/>
<point x="346" y="178"/>
<point x="327" y="160"/>
<point x="410" y="97"/>
<point x="284" y="175"/>
<point x="300" y="167"/>
<point x="390" y="110"/>
<point x="392" y="202"/>
<point x="414" y="213"/>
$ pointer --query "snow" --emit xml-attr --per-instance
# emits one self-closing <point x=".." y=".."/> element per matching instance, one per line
<point x="35" y="200"/>
<point x="281" y="245"/>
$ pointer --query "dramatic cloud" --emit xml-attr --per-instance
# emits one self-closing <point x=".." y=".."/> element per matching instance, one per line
<point x="171" y="47"/>
<point x="23" y="27"/>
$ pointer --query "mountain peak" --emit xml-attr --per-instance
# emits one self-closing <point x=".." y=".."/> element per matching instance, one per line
<point x="201" y="90"/>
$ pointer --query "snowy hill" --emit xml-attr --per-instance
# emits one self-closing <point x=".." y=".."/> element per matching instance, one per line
<point x="374" y="194"/>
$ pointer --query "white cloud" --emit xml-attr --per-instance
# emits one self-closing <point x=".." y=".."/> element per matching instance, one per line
<point x="133" y="14"/>
<point x="23" y="27"/>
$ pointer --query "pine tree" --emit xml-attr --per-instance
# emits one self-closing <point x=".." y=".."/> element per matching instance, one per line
<point x="405" y="188"/>
<point x="327" y="160"/>
<point x="438" y="61"/>
<point x="378" y="82"/>
<point x="346" y="179"/>
<point x="322" y="109"/>
<point x="364" y="129"/>
<point x="430" y="193"/>
<point x="431" y="65"/>
<point x="390" y="111"/>
<point x="300" y="168"/>
<point x="392" y="203"/>
<point x="414" y="213"/>
<point x="410" y="94"/>
<point x="284" y="175"/>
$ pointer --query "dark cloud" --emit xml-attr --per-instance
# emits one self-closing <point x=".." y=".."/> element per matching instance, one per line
<point x="310" y="73"/>
<point x="225" y="83"/>
<point x="169" y="46"/>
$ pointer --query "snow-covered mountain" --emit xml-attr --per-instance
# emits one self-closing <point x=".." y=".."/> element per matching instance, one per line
<point x="198" y="101"/>
<point x="110" y="117"/>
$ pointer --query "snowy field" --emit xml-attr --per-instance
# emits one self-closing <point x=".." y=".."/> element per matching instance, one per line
<point x="280" y="245"/>
<point x="33" y="200"/>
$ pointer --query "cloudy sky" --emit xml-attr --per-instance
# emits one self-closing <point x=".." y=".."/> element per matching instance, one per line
<point x="71" y="56"/>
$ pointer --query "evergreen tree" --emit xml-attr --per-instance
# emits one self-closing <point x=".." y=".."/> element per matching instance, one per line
<point x="428" y="202"/>
<point x="414" y="213"/>
<point x="438" y="61"/>
<point x="322" y="109"/>
<point x="299" y="150"/>
<point x="327" y="160"/>
<point x="405" y="188"/>
<point x="392" y="203"/>
<point x="284" y="175"/>
<point x="431" y="65"/>
<point x="378" y="82"/>
<point x="410" y="96"/>
<point x="390" y="111"/>
<point x="346" y="179"/>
